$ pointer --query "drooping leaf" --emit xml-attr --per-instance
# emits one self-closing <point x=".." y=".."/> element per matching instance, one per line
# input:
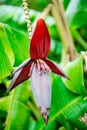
<point x="5" y="65"/>
<point x="75" y="72"/>
<point x="6" y="44"/>
<point x="19" y="44"/>
<point x="14" y="48"/>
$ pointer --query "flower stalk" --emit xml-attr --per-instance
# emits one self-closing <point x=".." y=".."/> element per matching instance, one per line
<point x="46" y="11"/>
<point x="63" y="29"/>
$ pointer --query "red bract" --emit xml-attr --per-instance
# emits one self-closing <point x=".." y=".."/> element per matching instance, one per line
<point x="40" y="42"/>
<point x="37" y="68"/>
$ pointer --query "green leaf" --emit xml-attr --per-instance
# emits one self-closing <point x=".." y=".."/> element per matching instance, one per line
<point x="5" y="64"/>
<point x="6" y="44"/>
<point x="65" y="3"/>
<point x="74" y="70"/>
<point x="4" y="103"/>
<point x="77" y="13"/>
<point x="18" y="115"/>
<point x="14" y="49"/>
<point x="19" y="44"/>
<point x="31" y="125"/>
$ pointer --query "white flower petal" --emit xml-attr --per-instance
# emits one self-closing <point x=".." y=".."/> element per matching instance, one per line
<point x="40" y="84"/>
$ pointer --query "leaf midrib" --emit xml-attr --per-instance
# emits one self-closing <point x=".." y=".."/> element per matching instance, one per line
<point x="60" y="111"/>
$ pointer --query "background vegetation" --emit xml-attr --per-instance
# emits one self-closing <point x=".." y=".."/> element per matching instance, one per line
<point x="18" y="110"/>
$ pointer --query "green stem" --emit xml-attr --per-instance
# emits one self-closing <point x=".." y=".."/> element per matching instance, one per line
<point x="34" y="110"/>
<point x="63" y="29"/>
<point x="44" y="13"/>
<point x="79" y="39"/>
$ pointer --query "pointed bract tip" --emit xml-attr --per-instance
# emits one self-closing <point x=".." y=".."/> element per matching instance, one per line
<point x="40" y="20"/>
<point x="45" y="113"/>
<point x="8" y="90"/>
<point x="65" y="76"/>
<point x="68" y="78"/>
<point x="55" y="69"/>
<point x="45" y="116"/>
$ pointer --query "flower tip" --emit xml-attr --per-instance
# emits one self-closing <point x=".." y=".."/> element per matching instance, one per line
<point x="66" y="77"/>
<point x="45" y="116"/>
<point x="7" y="91"/>
<point x="40" y="20"/>
<point x="69" y="79"/>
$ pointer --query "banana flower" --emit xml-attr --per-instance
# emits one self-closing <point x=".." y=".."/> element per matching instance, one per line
<point x="37" y="68"/>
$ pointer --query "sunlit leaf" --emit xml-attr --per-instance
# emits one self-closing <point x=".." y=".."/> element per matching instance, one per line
<point x="6" y="44"/>
<point x="5" y="65"/>
<point x="19" y="44"/>
<point x="4" y="103"/>
<point x="14" y="46"/>
<point x="74" y="70"/>
<point x="18" y="116"/>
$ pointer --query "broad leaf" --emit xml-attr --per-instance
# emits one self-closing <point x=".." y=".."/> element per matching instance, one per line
<point x="5" y="58"/>
<point x="18" y="116"/>
<point x="4" y="103"/>
<point x="19" y="44"/>
<point x="74" y="70"/>
<point x="6" y="44"/>
<point x="14" y="48"/>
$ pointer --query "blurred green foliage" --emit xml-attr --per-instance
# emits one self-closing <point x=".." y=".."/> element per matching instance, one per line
<point x="18" y="110"/>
